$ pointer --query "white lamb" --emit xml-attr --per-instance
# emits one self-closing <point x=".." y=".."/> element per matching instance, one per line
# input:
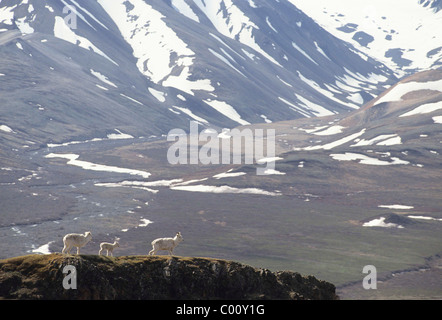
<point x="167" y="244"/>
<point x="75" y="240"/>
<point x="109" y="247"/>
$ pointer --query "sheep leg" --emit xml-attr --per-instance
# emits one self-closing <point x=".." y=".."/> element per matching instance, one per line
<point x="78" y="250"/>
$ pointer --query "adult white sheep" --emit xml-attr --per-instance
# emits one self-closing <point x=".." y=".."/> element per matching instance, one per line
<point x="75" y="240"/>
<point x="109" y="247"/>
<point x="167" y="244"/>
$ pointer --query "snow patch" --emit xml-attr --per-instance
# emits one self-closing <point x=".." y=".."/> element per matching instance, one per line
<point x="422" y="109"/>
<point x="119" y="135"/>
<point x="315" y="108"/>
<point x="270" y="25"/>
<point x="267" y="120"/>
<point x="5" y="128"/>
<point x="295" y="107"/>
<point x="303" y="53"/>
<point x="102" y="78"/>
<point x="226" y="61"/>
<point x="334" y="144"/>
<point x="63" y="32"/>
<point x="228" y="174"/>
<point x="384" y="139"/>
<point x="191" y="114"/>
<point x="323" y="91"/>
<point x="7" y="15"/>
<point x="363" y="159"/>
<point x="397" y="92"/>
<point x="395" y="206"/>
<point x="183" y="83"/>
<point x="252" y="4"/>
<point x="144" y="222"/>
<point x="329" y="131"/>
<point x="230" y="21"/>
<point x="227" y="110"/>
<point x="101" y="87"/>
<point x="51" y="10"/>
<point x="273" y="172"/>
<point x="182" y="7"/>
<point x="131" y="99"/>
<point x="159" y="95"/>
<point x="89" y="14"/>
<point x="224" y="189"/>
<point x="269" y="159"/>
<point x="320" y="50"/>
<point x="24" y="26"/>
<point x="437" y="119"/>
<point x="381" y="223"/>
<point x="390" y="142"/>
<point x="356" y="98"/>
<point x="73" y="160"/>
<point x="44" y="249"/>
<point x="424" y="218"/>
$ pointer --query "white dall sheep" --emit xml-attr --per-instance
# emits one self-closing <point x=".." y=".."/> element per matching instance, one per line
<point x="167" y="244"/>
<point x="75" y="240"/>
<point x="109" y="247"/>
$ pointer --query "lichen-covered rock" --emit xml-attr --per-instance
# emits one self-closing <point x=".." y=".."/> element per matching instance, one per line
<point x="151" y="277"/>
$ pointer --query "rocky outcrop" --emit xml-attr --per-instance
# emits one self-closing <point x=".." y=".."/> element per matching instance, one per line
<point x="150" y="277"/>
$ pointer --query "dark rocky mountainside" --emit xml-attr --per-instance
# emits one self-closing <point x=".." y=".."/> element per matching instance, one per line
<point x="151" y="277"/>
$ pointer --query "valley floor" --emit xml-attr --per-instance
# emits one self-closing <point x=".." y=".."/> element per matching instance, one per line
<point x="322" y="217"/>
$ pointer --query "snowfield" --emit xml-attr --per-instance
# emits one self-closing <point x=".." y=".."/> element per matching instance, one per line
<point x="401" y="34"/>
<point x="143" y="24"/>
<point x="235" y="24"/>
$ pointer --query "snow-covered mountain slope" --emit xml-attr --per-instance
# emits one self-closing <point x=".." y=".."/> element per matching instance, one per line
<point x="149" y="66"/>
<point x="405" y="35"/>
<point x="400" y="127"/>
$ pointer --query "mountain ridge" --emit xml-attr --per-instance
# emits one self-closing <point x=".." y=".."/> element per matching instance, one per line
<point x="152" y="278"/>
